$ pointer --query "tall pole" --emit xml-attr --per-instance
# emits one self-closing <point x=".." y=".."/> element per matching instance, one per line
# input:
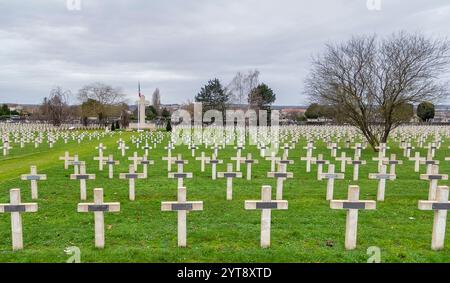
<point x="139" y="107"/>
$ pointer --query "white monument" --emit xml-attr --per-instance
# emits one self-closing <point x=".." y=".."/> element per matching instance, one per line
<point x="141" y="124"/>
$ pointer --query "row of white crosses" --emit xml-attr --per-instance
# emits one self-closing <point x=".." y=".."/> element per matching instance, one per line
<point x="353" y="204"/>
<point x="16" y="207"/>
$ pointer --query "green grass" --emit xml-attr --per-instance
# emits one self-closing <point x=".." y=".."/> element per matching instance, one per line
<point x="224" y="231"/>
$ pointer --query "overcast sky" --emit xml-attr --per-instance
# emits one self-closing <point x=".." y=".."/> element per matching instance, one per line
<point x="178" y="45"/>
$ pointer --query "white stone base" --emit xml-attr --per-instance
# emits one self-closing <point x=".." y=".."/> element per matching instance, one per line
<point x="146" y="126"/>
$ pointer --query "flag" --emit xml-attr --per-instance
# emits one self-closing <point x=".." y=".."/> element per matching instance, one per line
<point x="139" y="88"/>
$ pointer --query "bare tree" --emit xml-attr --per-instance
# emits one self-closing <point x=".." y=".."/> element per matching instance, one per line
<point x="241" y="85"/>
<point x="156" y="101"/>
<point x="370" y="82"/>
<point x="54" y="107"/>
<point x="105" y="94"/>
<point x="237" y="88"/>
<point x="188" y="106"/>
<point x="251" y="81"/>
<point x="125" y="117"/>
<point x="104" y="97"/>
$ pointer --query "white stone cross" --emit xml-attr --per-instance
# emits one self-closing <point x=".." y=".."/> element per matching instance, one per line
<point x="239" y="149"/>
<point x="66" y="159"/>
<point x="111" y="162"/>
<point x="331" y="175"/>
<point x="6" y="147"/>
<point x="309" y="160"/>
<point x="434" y="178"/>
<point x="169" y="159"/>
<point x="273" y="159"/>
<point x="182" y="207"/>
<point x="381" y="158"/>
<point x="358" y="147"/>
<point x="122" y="147"/>
<point x="99" y="207"/>
<point x="249" y="161"/>
<point x="382" y="148"/>
<point x="214" y="161"/>
<point x="440" y="206"/>
<point x="100" y="157"/>
<point x="266" y="204"/>
<point x="34" y="177"/>
<point x="417" y="160"/>
<point x="216" y="148"/>
<point x="180" y="174"/>
<point x="309" y="149"/>
<point x="382" y="176"/>
<point x="281" y="175"/>
<point x="285" y="161"/>
<point x="333" y="147"/>
<point x="16" y="207"/>
<point x="131" y="176"/>
<point x="229" y="175"/>
<point x="239" y="159"/>
<point x="146" y="148"/>
<point x="286" y="148"/>
<point x="193" y="147"/>
<point x="202" y="159"/>
<point x="407" y="150"/>
<point x="343" y="159"/>
<point x="135" y="158"/>
<point x="431" y="149"/>
<point x="262" y="150"/>
<point x="429" y="163"/>
<point x="82" y="177"/>
<point x="320" y="162"/>
<point x="76" y="164"/>
<point x="392" y="162"/>
<point x="145" y="162"/>
<point x="353" y="204"/>
<point x="356" y="163"/>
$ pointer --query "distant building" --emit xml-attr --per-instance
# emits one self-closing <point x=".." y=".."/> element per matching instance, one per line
<point x="442" y="114"/>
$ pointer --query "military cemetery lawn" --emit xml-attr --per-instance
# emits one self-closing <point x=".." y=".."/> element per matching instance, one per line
<point x="309" y="231"/>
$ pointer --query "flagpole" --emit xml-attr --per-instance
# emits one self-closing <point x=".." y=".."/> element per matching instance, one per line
<point x="139" y="108"/>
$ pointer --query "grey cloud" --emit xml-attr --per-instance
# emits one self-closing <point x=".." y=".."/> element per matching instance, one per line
<point x="177" y="45"/>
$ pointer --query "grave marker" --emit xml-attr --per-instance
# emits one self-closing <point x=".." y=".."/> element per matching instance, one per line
<point x="382" y="177"/>
<point x="229" y="175"/>
<point x="440" y="206"/>
<point x="66" y="159"/>
<point x="16" y="207"/>
<point x="182" y="207"/>
<point x="344" y="159"/>
<point x="180" y="175"/>
<point x="281" y="175"/>
<point x="202" y="159"/>
<point x="417" y="160"/>
<point x="320" y="162"/>
<point x="331" y="175"/>
<point x="82" y="177"/>
<point x="99" y="207"/>
<point x="131" y="176"/>
<point x="353" y="204"/>
<point x="33" y="177"/>
<point x="111" y="162"/>
<point x="214" y="161"/>
<point x="266" y="204"/>
<point x="433" y="177"/>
